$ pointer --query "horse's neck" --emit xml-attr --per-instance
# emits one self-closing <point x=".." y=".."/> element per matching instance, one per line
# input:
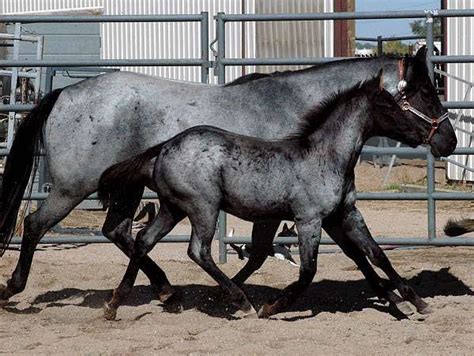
<point x="326" y="80"/>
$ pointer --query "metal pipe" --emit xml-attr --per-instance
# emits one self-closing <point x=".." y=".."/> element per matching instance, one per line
<point x="205" y="47"/>
<point x="276" y="61"/>
<point x="366" y="15"/>
<point x="400" y="241"/>
<point x="458" y="104"/>
<point x="102" y="18"/>
<point x="392" y="38"/>
<point x="103" y="62"/>
<point x="453" y="59"/>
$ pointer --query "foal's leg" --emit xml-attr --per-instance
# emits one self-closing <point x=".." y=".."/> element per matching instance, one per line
<point x="146" y="239"/>
<point x="356" y="229"/>
<point x="262" y="242"/>
<point x="203" y="226"/>
<point x="309" y="236"/>
<point x="122" y="207"/>
<point x="53" y="210"/>
<point x="352" y="251"/>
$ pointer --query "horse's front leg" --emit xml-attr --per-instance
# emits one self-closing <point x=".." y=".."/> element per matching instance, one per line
<point x="309" y="237"/>
<point x="354" y="226"/>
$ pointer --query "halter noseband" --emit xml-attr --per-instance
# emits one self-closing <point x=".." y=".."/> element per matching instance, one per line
<point x="406" y="106"/>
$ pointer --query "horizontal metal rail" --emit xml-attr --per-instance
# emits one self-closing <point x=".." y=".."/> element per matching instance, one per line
<point x="400" y="241"/>
<point x="103" y="62"/>
<point x="393" y="38"/>
<point x="99" y="18"/>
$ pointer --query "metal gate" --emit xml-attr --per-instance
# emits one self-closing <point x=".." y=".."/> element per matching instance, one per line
<point x="221" y="62"/>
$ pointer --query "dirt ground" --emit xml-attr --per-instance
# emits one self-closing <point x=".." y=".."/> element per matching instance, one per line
<point x="60" y="312"/>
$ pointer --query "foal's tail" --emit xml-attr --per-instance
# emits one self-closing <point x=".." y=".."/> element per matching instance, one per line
<point x="459" y="227"/>
<point x="124" y="174"/>
<point x="20" y="164"/>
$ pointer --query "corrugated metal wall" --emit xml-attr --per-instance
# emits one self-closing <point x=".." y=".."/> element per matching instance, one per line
<point x="153" y="40"/>
<point x="461" y="42"/>
<point x="289" y="39"/>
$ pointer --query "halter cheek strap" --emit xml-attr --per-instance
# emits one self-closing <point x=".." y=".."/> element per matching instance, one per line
<point x="406" y="106"/>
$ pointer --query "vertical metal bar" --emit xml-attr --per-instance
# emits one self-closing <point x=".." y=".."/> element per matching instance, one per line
<point x="430" y="158"/>
<point x="14" y="79"/>
<point x="205" y="47"/>
<point x="220" y="49"/>
<point x="379" y="46"/>
<point x="221" y="80"/>
<point x="39" y="56"/>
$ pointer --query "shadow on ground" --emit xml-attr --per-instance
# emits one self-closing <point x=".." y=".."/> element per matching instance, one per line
<point x="323" y="296"/>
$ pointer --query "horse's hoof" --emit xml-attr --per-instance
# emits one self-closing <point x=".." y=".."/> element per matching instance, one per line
<point x="4" y="295"/>
<point x="405" y="308"/>
<point x="266" y="311"/>
<point x="109" y="312"/>
<point x="250" y="313"/>
<point x="166" y="293"/>
<point x="425" y="310"/>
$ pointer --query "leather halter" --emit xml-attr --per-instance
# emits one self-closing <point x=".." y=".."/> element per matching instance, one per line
<point x="406" y="106"/>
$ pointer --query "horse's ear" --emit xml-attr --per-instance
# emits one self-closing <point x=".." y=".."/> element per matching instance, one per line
<point x="380" y="79"/>
<point x="421" y="54"/>
<point x="293" y="228"/>
<point x="285" y="227"/>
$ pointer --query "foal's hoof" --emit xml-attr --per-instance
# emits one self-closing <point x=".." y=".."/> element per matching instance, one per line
<point x="405" y="308"/>
<point x="165" y="293"/>
<point x="109" y="312"/>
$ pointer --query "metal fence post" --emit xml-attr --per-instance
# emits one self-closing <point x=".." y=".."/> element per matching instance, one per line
<point x="379" y="46"/>
<point x="430" y="158"/>
<point x="205" y="47"/>
<point x="14" y="79"/>
<point x="221" y="80"/>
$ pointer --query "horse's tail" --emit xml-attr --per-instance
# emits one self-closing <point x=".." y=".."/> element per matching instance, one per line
<point x="19" y="165"/>
<point x="124" y="174"/>
<point x="459" y="227"/>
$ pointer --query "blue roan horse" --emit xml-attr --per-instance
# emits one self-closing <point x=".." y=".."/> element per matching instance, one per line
<point x="308" y="178"/>
<point x="101" y="121"/>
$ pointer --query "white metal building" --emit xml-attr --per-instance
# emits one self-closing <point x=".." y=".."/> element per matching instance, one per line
<point x="459" y="41"/>
<point x="181" y="40"/>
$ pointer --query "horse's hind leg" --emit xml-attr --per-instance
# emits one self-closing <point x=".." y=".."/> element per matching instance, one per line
<point x="309" y="236"/>
<point x="203" y="224"/>
<point x="122" y="206"/>
<point x="52" y="211"/>
<point x="356" y="229"/>
<point x="263" y="234"/>
<point x="164" y="222"/>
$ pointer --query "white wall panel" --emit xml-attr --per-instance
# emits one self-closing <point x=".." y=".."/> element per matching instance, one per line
<point x="461" y="42"/>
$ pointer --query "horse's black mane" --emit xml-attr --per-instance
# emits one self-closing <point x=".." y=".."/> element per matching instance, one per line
<point x="256" y="76"/>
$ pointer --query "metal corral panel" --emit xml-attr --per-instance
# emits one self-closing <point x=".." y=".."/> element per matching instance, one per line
<point x="292" y="38"/>
<point x="182" y="40"/>
<point x="461" y="42"/>
<point x="172" y="40"/>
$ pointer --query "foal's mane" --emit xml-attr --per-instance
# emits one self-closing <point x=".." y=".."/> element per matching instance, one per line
<point x="316" y="117"/>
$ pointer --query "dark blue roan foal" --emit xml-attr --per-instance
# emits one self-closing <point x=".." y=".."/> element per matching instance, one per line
<point x="308" y="178"/>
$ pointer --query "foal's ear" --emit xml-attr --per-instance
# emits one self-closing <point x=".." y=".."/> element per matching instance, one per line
<point x="421" y="54"/>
